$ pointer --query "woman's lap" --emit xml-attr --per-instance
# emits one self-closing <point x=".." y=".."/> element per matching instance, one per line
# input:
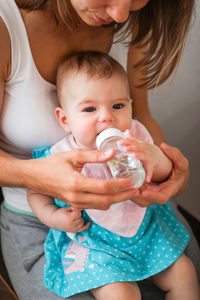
<point x="22" y="239"/>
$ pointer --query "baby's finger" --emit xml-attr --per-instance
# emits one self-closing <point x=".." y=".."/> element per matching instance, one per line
<point x="78" y="222"/>
<point x="84" y="227"/>
<point x="129" y="134"/>
<point x="76" y="213"/>
<point x="131" y="145"/>
<point x="136" y="153"/>
<point x="127" y="142"/>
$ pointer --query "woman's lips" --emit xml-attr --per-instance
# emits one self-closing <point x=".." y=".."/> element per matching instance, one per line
<point x="102" y="21"/>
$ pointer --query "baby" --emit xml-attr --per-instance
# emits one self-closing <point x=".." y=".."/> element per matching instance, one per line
<point x="107" y="252"/>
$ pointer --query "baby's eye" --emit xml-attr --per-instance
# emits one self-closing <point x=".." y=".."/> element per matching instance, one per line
<point x="118" y="106"/>
<point x="89" y="109"/>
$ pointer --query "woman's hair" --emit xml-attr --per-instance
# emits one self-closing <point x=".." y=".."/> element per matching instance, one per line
<point x="160" y="27"/>
<point x="93" y="64"/>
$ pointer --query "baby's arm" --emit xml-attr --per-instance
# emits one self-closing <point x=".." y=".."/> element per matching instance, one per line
<point x="67" y="219"/>
<point x="157" y="165"/>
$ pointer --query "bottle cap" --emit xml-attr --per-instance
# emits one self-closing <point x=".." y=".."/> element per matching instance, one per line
<point x="107" y="133"/>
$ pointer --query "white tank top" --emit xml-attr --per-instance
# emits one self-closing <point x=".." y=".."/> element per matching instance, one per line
<point x="27" y="119"/>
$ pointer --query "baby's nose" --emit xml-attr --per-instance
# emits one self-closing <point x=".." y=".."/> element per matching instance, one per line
<point x="105" y="116"/>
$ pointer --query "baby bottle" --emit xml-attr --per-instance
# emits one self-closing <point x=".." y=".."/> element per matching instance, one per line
<point x="122" y="164"/>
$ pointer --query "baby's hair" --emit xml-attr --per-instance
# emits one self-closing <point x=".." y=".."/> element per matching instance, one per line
<point x="94" y="64"/>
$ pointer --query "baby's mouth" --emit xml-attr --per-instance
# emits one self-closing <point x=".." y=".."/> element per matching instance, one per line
<point x="100" y="131"/>
<point x="104" y="129"/>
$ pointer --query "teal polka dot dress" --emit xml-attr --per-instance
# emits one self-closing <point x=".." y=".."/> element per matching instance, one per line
<point x="77" y="262"/>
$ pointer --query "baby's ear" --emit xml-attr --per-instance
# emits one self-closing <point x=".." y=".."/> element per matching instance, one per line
<point x="62" y="119"/>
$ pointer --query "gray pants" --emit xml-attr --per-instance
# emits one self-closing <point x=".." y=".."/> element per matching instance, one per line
<point x="22" y="240"/>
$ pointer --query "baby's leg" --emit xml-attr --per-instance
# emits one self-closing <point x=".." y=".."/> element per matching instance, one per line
<point x="118" y="291"/>
<point x="179" y="280"/>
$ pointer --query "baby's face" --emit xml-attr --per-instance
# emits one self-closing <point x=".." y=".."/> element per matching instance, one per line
<point x="92" y="105"/>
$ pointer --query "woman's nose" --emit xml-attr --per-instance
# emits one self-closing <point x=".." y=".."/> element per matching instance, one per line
<point x="119" y="10"/>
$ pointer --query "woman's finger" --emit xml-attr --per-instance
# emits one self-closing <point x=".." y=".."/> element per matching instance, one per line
<point x="149" y="172"/>
<point x="80" y="157"/>
<point x="159" y="193"/>
<point x="100" y="186"/>
<point x="97" y="201"/>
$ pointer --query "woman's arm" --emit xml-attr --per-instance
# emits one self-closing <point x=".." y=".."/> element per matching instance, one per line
<point x="178" y="178"/>
<point x="10" y="170"/>
<point x="57" y="176"/>
<point x="60" y="177"/>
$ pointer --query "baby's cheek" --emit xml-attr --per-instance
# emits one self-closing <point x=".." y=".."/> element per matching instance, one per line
<point x="87" y="138"/>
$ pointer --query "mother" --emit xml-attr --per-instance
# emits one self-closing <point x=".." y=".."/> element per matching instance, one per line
<point x="35" y="36"/>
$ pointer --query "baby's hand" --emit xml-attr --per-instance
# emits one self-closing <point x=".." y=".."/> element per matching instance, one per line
<point x="145" y="152"/>
<point x="69" y="219"/>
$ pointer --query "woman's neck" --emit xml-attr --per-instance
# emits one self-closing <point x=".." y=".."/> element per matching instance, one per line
<point x="51" y="42"/>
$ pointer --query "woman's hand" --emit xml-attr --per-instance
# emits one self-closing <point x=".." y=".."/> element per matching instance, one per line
<point x="174" y="185"/>
<point x="60" y="177"/>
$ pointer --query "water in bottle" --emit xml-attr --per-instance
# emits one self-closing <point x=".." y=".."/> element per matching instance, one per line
<point x="122" y="164"/>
